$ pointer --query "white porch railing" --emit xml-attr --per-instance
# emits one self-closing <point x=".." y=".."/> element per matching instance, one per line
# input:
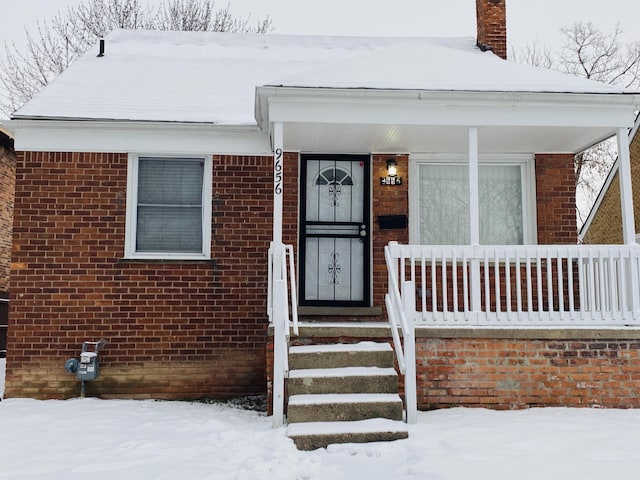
<point x="529" y="285"/>
<point x="401" y="312"/>
<point x="278" y="309"/>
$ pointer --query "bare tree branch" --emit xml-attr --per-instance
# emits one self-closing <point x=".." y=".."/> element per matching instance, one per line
<point x="588" y="52"/>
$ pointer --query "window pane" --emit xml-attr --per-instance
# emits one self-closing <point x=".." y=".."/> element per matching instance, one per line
<point x="500" y="205"/>
<point x="169" y="214"/>
<point x="444" y="204"/>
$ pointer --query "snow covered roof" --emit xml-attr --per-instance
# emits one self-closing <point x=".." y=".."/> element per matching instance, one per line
<point x="211" y="77"/>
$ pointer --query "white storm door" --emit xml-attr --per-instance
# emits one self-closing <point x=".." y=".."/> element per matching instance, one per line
<point x="334" y="230"/>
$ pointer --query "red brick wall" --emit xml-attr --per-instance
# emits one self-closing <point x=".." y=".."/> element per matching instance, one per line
<point x="179" y="329"/>
<point x="7" y="182"/>
<point x="516" y="373"/>
<point x="556" y="199"/>
<point x="387" y="200"/>
<point x="491" y="17"/>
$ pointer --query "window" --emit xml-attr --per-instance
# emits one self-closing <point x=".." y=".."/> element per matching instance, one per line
<point x="169" y="207"/>
<point x="441" y="199"/>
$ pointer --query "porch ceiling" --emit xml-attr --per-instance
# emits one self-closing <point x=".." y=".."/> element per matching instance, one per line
<point x="381" y="138"/>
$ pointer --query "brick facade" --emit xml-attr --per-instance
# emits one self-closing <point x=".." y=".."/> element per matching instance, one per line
<point x="606" y="224"/>
<point x="7" y="184"/>
<point x="556" y="199"/>
<point x="192" y="329"/>
<point x="178" y="329"/>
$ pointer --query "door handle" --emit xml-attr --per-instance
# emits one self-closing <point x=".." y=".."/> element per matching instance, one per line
<point x="363" y="230"/>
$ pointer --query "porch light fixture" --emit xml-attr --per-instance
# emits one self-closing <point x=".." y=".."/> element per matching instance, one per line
<point x="392" y="177"/>
<point x="392" y="167"/>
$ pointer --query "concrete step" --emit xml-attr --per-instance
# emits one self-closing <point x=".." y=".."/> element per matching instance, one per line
<point x="310" y="436"/>
<point x="363" y="354"/>
<point x="343" y="380"/>
<point x="342" y="407"/>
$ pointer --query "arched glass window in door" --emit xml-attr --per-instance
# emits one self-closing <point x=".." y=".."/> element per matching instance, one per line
<point x="334" y="178"/>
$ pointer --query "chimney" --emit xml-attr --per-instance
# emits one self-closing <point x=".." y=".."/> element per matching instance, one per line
<point x="491" y="16"/>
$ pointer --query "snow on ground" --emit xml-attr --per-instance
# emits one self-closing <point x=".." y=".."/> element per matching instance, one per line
<point x="138" y="440"/>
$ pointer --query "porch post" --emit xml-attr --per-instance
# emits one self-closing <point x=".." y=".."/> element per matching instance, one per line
<point x="278" y="188"/>
<point x="279" y="287"/>
<point x="474" y="196"/>
<point x="626" y="195"/>
<point x="474" y="216"/>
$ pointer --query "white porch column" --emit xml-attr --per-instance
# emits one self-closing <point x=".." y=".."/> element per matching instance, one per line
<point x="278" y="189"/>
<point x="474" y="195"/>
<point x="474" y="216"/>
<point x="626" y="195"/>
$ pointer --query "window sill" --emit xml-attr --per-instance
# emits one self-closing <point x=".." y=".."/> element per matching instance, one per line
<point x="166" y="260"/>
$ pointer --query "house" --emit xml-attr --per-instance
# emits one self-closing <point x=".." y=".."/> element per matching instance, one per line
<point x="185" y="195"/>
<point x="7" y="181"/>
<point x="604" y="222"/>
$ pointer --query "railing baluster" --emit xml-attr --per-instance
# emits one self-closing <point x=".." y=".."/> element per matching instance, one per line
<point x="560" y="282"/>
<point x="613" y="293"/>
<point x="496" y="272"/>
<point x="593" y="307"/>
<point x="539" y="279"/>
<point x="423" y="282"/>
<point x="549" y="283"/>
<point x="445" y="286"/>
<point x="465" y="285"/>
<point x="570" y="286"/>
<point x="487" y="289"/>
<point x="622" y="275"/>
<point x="507" y="281"/>
<point x="454" y="281"/>
<point x="516" y="261"/>
<point x="601" y="289"/>
<point x="527" y="259"/>
<point x="434" y="285"/>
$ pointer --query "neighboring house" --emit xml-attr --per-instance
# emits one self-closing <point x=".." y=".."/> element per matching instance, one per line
<point x="604" y="223"/>
<point x="7" y="182"/>
<point x="152" y="180"/>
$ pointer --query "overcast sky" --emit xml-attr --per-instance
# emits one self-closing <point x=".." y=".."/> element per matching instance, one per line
<point x="527" y="19"/>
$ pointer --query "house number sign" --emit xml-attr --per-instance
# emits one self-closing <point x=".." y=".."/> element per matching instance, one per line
<point x="278" y="172"/>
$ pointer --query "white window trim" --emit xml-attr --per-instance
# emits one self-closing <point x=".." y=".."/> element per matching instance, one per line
<point x="132" y="203"/>
<point x="524" y="161"/>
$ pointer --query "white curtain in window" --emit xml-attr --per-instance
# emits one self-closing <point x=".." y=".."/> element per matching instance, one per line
<point x="444" y="204"/>
<point x="169" y="215"/>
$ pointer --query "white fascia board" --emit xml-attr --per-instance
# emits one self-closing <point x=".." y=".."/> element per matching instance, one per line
<point x="124" y="137"/>
<point x="445" y="108"/>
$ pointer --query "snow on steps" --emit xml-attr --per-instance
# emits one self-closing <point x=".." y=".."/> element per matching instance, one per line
<point x="343" y="393"/>
<point x="343" y="379"/>
<point x="363" y="354"/>
<point x="344" y="407"/>
<point x="310" y="436"/>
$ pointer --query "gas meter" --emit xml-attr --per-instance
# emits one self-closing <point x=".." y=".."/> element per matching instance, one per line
<point x="88" y="368"/>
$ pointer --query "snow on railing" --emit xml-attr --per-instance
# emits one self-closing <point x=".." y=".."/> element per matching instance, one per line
<point x="405" y="349"/>
<point x="278" y="311"/>
<point x="525" y="285"/>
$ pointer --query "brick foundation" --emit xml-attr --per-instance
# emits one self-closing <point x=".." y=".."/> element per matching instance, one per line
<point x="508" y="373"/>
